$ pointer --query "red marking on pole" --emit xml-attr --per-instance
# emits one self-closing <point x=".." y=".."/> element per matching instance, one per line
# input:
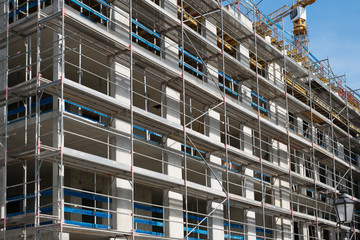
<point x="7" y="29"/>
<point x="38" y="78"/>
<point x="61" y="150"/>
<point x="61" y="225"/>
<point x="6" y="93"/>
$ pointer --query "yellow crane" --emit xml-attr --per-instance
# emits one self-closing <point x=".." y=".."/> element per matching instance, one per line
<point x="297" y="14"/>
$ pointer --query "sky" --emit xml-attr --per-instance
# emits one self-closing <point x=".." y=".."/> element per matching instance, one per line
<point x="334" y="33"/>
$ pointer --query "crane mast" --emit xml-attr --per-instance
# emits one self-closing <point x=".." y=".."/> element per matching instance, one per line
<point x="297" y="14"/>
<point x="298" y="17"/>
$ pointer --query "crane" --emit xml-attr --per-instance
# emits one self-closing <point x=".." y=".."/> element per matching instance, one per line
<point x="297" y="14"/>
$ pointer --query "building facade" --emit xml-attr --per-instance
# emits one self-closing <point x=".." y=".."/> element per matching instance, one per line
<point x="169" y="119"/>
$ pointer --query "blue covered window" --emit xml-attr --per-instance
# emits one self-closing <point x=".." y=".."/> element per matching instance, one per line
<point x="146" y="36"/>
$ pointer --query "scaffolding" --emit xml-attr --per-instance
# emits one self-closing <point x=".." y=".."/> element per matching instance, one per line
<point x="169" y="119"/>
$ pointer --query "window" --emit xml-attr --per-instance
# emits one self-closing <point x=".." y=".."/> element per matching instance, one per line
<point x="336" y="146"/>
<point x="231" y="86"/>
<point x="93" y="10"/>
<point x="88" y="205"/>
<point x="296" y="231"/>
<point x="309" y="193"/>
<point x="230" y="44"/>
<point x="320" y="138"/>
<point x="146" y="36"/>
<point x="306" y="129"/>
<point x="312" y="233"/>
<point x="292" y="119"/>
<point x="191" y="17"/>
<point x="262" y="103"/>
<point x="193" y="64"/>
<point x="326" y="234"/>
<point x="308" y="168"/>
<point x="264" y="177"/>
<point x="260" y="65"/>
<point x="232" y="166"/>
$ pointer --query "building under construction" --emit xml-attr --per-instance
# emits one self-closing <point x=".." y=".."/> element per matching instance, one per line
<point x="169" y="119"/>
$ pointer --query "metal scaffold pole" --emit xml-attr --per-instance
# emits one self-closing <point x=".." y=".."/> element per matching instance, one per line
<point x="37" y="125"/>
<point x="132" y="119"/>
<point x="351" y="192"/>
<point x="263" y="190"/>
<point x="283" y="74"/>
<point x="226" y="120"/>
<point x="332" y="141"/>
<point x="4" y="164"/>
<point x="61" y="130"/>
<point x="184" y="117"/>
<point x="313" y="157"/>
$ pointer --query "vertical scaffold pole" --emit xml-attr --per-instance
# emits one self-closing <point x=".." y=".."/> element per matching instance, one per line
<point x="61" y="130"/>
<point x="132" y="119"/>
<point x="263" y="191"/>
<point x="349" y="138"/>
<point x="288" y="129"/>
<point x="184" y="117"/>
<point x="332" y="141"/>
<point x="226" y="123"/>
<point x="5" y="120"/>
<point x="37" y="125"/>
<point x="313" y="138"/>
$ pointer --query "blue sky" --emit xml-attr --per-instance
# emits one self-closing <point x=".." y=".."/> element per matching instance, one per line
<point x="334" y="32"/>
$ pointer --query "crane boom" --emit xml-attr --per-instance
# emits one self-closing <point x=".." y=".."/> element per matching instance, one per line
<point x="304" y="3"/>
<point x="279" y="14"/>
